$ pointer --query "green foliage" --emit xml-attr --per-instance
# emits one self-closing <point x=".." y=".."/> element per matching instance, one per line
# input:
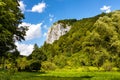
<point x="76" y="60"/>
<point x="10" y="31"/>
<point x="37" y="54"/>
<point x="60" y="61"/>
<point x="67" y="21"/>
<point x="46" y="65"/>
<point x="8" y="61"/>
<point x="4" y="75"/>
<point x="11" y="17"/>
<point x="90" y="42"/>
<point x="33" y="61"/>
<point x="107" y="66"/>
<point x="22" y="62"/>
<point x="33" y="66"/>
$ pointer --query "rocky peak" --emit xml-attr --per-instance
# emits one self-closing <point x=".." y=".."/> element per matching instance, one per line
<point x="56" y="31"/>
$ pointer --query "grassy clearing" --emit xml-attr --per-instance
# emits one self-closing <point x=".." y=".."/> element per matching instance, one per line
<point x="85" y="75"/>
<point x="61" y="75"/>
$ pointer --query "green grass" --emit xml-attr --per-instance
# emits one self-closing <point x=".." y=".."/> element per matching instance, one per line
<point x="53" y="75"/>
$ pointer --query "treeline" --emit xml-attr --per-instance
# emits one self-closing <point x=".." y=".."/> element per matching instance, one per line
<point x="91" y="41"/>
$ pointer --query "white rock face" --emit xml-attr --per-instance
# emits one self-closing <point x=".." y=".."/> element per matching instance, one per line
<point x="56" y="31"/>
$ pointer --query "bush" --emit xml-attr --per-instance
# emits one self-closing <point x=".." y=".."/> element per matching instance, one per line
<point x="107" y="66"/>
<point x="33" y="66"/>
<point x="46" y="65"/>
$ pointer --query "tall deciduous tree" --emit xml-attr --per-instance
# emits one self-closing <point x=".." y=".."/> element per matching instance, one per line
<point x="10" y="18"/>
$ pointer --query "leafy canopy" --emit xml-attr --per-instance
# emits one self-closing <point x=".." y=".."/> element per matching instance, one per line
<point x="10" y="31"/>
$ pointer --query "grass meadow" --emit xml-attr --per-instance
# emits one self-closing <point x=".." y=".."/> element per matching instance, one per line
<point x="59" y="75"/>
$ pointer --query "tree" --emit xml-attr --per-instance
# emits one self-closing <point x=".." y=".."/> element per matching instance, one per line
<point x="36" y="46"/>
<point x="10" y="18"/>
<point x="37" y="54"/>
<point x="36" y="59"/>
<point x="22" y="62"/>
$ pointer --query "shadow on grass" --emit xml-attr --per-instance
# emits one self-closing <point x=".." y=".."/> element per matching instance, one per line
<point x="86" y="76"/>
<point x="64" y="78"/>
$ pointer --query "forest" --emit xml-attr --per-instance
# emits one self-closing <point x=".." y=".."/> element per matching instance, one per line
<point x="92" y="44"/>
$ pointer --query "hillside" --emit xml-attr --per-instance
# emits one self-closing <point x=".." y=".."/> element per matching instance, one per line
<point x="93" y="41"/>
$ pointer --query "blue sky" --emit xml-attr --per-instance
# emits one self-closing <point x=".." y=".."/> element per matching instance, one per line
<point x="41" y="14"/>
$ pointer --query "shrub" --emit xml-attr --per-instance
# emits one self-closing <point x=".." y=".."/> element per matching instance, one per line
<point x="107" y="66"/>
<point x="33" y="66"/>
<point x="46" y="65"/>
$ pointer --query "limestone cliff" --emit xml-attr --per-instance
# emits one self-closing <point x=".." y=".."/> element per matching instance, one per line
<point x="56" y="31"/>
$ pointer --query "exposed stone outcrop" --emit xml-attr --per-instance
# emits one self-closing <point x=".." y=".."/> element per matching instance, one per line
<point x="56" y="31"/>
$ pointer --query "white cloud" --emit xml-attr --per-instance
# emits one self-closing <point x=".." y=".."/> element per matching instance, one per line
<point x="39" y="7"/>
<point x="109" y="10"/>
<point x="51" y="17"/>
<point x="105" y="8"/>
<point x="34" y="30"/>
<point x="24" y="49"/>
<point x="22" y="6"/>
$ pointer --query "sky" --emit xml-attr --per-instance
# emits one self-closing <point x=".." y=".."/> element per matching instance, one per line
<point x="41" y="14"/>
